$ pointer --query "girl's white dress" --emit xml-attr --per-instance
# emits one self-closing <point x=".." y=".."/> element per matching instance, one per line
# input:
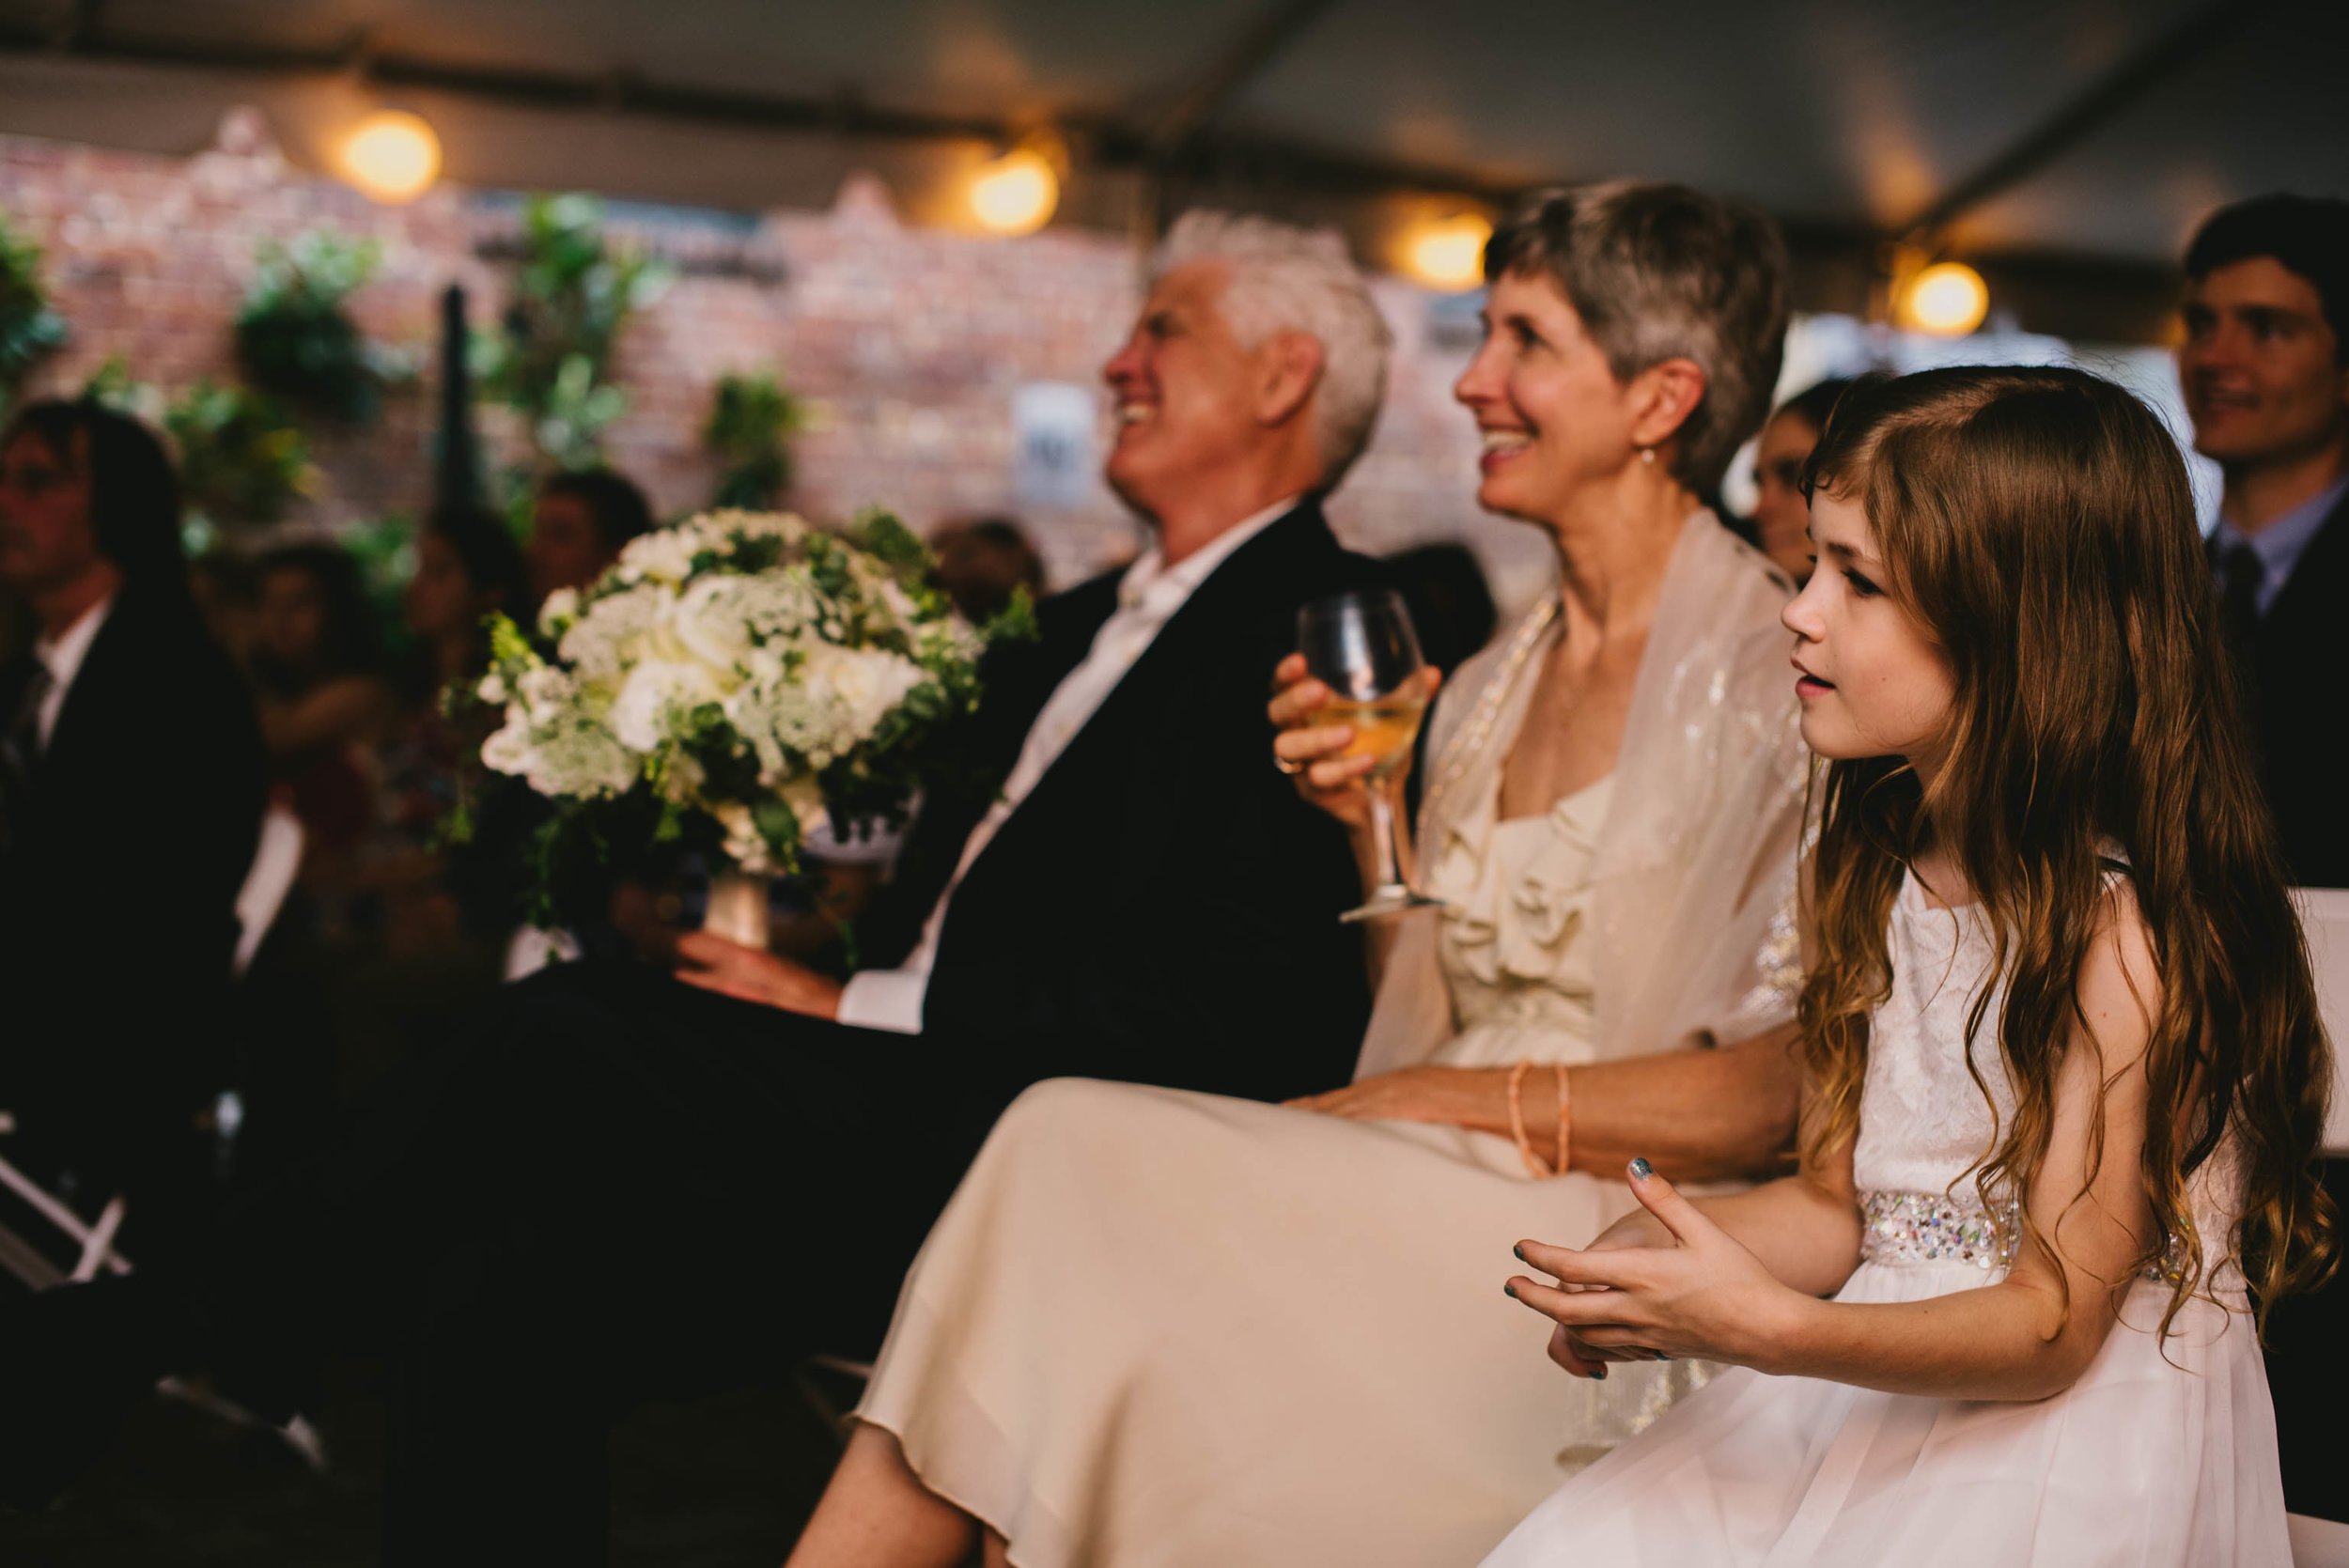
<point x="2164" y="1452"/>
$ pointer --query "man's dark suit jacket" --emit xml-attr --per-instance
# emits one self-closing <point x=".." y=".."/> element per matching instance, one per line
<point x="1162" y="907"/>
<point x="2296" y="671"/>
<point x="119" y="886"/>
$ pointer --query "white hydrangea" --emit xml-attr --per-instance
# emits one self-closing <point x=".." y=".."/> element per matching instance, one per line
<point x="573" y="756"/>
<point x="830" y="705"/>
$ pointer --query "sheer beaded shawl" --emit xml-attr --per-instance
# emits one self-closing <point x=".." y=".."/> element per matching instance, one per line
<point x="1692" y="886"/>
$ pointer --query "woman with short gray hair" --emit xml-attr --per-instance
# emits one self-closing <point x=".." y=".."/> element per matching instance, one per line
<point x="1158" y="1328"/>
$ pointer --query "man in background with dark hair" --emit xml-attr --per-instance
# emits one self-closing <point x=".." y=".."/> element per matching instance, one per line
<point x="131" y="796"/>
<point x="980" y="564"/>
<point x="577" y="526"/>
<point x="2265" y="370"/>
<point x="2265" y="367"/>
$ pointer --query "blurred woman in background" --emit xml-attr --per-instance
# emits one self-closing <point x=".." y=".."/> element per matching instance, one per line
<point x="1781" y="514"/>
<point x="325" y="703"/>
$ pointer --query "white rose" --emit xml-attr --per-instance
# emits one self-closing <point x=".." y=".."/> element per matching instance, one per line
<point x="605" y="641"/>
<point x="654" y="699"/>
<point x="509" y="751"/>
<point x="493" y="687"/>
<point x="709" y="621"/>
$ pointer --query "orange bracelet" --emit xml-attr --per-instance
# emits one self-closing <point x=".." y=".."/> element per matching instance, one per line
<point x="1534" y="1166"/>
<point x="1564" y="1124"/>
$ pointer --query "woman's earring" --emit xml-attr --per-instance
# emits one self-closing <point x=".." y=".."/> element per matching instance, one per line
<point x="1647" y="455"/>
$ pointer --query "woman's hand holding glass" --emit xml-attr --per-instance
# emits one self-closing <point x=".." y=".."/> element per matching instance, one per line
<point x="1331" y="760"/>
<point x="1361" y="662"/>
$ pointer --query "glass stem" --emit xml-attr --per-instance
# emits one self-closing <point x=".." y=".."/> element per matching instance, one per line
<point x="1382" y="847"/>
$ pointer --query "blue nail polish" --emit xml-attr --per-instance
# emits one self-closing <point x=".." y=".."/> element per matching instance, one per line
<point x="1598" y="1372"/>
<point x="1641" y="1168"/>
<point x="1519" y="1252"/>
<point x="1509" y="1291"/>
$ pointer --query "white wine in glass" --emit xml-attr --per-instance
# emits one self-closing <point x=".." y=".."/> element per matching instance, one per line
<point x="1385" y="728"/>
<point x="1361" y="646"/>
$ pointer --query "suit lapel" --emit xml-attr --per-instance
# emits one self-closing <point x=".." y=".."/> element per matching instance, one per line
<point x="1098" y="769"/>
<point x="2315" y="586"/>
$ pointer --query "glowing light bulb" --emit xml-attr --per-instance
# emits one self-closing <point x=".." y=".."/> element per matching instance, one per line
<point x="1948" y="299"/>
<point x="1015" y="194"/>
<point x="393" y="156"/>
<point x="1450" y="254"/>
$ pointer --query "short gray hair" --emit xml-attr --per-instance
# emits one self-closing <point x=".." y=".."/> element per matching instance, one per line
<point x="1291" y="279"/>
<point x="1662" y="271"/>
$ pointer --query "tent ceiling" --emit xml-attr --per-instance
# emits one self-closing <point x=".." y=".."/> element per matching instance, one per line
<point x="2111" y="125"/>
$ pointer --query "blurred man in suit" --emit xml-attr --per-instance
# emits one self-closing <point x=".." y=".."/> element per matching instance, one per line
<point x="2265" y="366"/>
<point x="2265" y="370"/>
<point x="131" y="794"/>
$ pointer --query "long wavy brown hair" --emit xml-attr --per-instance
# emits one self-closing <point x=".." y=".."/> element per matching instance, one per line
<point x="2037" y="523"/>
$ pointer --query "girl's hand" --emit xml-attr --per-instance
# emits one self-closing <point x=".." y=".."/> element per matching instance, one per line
<point x="1636" y="1229"/>
<point x="1449" y="1096"/>
<point x="1315" y="754"/>
<point x="1695" y="1293"/>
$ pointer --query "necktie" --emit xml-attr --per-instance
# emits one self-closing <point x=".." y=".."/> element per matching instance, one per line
<point x="20" y="752"/>
<point x="2240" y="575"/>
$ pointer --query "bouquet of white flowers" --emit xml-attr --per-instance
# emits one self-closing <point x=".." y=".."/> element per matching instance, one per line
<point x="733" y="680"/>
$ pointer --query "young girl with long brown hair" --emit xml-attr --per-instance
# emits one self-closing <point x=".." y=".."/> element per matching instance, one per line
<point x="2064" y="1071"/>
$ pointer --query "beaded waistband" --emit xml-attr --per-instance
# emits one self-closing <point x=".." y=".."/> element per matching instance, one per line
<point x="1934" y="1227"/>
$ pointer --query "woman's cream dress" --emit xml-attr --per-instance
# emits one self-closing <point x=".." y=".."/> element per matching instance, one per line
<point x="1157" y="1328"/>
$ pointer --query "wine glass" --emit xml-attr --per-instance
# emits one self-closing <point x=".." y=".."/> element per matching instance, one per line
<point x="1361" y="646"/>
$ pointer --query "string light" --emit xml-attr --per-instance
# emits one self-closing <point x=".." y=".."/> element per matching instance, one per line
<point x="1015" y="194"/>
<point x="1948" y="299"/>
<point x="393" y="156"/>
<point x="1449" y="254"/>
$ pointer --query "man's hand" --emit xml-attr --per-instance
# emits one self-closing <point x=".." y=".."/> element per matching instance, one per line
<point x="754" y="975"/>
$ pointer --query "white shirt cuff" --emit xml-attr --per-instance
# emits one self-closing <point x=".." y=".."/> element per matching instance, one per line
<point x="884" y="999"/>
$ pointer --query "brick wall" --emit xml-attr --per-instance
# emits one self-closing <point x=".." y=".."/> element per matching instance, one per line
<point x="911" y="341"/>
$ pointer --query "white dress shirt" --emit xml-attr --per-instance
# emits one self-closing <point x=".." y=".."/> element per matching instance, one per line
<point x="63" y="659"/>
<point x="1147" y="598"/>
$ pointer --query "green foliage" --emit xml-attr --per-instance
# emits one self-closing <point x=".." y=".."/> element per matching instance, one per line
<point x="29" y="328"/>
<point x="242" y="461"/>
<point x="573" y="296"/>
<point x="385" y="549"/>
<point x="749" y="419"/>
<point x="112" y="386"/>
<point x="295" y="335"/>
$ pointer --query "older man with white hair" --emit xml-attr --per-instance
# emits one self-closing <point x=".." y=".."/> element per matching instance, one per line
<point x="629" y="1187"/>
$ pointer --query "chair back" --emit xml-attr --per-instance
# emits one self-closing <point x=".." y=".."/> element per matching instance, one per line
<point x="2325" y="921"/>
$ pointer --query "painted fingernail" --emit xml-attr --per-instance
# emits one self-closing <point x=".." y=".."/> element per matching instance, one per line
<point x="1598" y="1372"/>
<point x="1660" y="1356"/>
<point x="1641" y="1168"/>
<point x="1509" y="1291"/>
<point x="1519" y="1250"/>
